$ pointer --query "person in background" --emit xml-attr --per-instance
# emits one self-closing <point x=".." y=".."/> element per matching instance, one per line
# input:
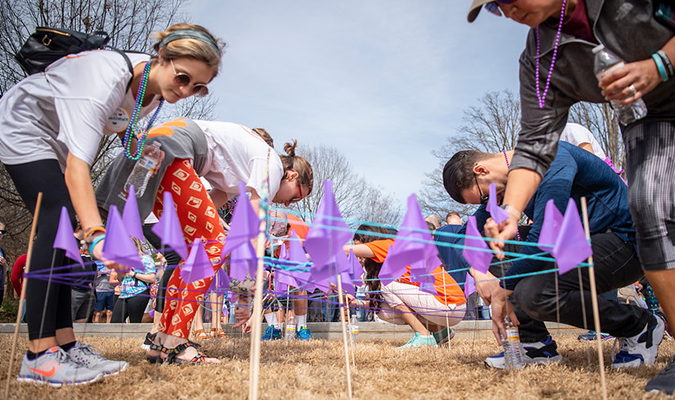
<point x="135" y="289"/>
<point x="105" y="293"/>
<point x="4" y="266"/>
<point x="433" y="221"/>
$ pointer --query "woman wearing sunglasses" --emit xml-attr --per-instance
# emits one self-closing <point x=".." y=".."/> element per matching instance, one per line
<point x="51" y="124"/>
<point x="224" y="154"/>
<point x="556" y="71"/>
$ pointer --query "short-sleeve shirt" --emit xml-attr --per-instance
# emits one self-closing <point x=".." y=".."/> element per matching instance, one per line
<point x="68" y="108"/>
<point x="448" y="290"/>
<point x="236" y="154"/>
<point x="577" y="134"/>
<point x="130" y="286"/>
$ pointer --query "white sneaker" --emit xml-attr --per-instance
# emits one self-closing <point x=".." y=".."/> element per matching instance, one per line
<point x="533" y="353"/>
<point x="56" y="368"/>
<point x="90" y="356"/>
<point x="641" y="348"/>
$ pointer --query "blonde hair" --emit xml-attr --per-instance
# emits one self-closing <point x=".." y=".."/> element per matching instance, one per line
<point x="200" y="45"/>
<point x="299" y="165"/>
<point x="139" y="246"/>
<point x="265" y="136"/>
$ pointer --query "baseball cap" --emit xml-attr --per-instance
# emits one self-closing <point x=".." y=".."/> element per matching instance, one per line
<point x="475" y="9"/>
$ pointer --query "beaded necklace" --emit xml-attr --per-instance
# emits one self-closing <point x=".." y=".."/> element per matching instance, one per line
<point x="540" y="97"/>
<point x="508" y="166"/>
<point x="131" y="128"/>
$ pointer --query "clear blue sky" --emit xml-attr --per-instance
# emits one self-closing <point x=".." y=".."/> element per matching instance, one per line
<point x="383" y="81"/>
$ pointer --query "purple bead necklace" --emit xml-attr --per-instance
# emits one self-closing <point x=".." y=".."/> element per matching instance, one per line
<point x="541" y="97"/>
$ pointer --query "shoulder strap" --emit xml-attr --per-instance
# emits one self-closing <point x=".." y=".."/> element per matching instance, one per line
<point x="126" y="58"/>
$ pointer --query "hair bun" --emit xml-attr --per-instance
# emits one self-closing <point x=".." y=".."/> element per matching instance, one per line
<point x="289" y="148"/>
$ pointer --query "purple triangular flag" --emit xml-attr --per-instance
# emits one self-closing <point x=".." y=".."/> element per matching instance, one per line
<point x="473" y="242"/>
<point x="497" y="213"/>
<point x="198" y="264"/>
<point x="220" y="284"/>
<point x="469" y="285"/>
<point x="329" y="232"/>
<point x="413" y="246"/>
<point x="118" y="245"/>
<point x="572" y="247"/>
<point x="131" y="217"/>
<point x="169" y="228"/>
<point x="355" y="269"/>
<point x="245" y="223"/>
<point x="425" y="279"/>
<point x="65" y="240"/>
<point x="550" y="229"/>
<point x="345" y="276"/>
<point x="243" y="261"/>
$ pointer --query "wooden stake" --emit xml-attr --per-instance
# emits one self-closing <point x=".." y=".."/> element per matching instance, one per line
<point x="594" y="300"/>
<point x="447" y="321"/>
<point x="23" y="291"/>
<point x="344" y="336"/>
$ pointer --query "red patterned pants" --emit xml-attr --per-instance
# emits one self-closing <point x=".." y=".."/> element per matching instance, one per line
<point x="199" y="219"/>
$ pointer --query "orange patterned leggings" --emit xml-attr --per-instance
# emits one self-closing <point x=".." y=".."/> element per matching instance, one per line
<point x="199" y="219"/>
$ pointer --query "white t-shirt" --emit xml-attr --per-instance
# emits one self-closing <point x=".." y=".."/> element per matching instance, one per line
<point x="238" y="154"/>
<point x="577" y="134"/>
<point x="68" y="108"/>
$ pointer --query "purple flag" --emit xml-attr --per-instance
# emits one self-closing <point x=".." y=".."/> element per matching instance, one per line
<point x="118" y="245"/>
<point x="345" y="276"/>
<point x="497" y="213"/>
<point x="413" y="246"/>
<point x="329" y="232"/>
<point x="550" y="229"/>
<point x="221" y="283"/>
<point x="425" y="279"/>
<point x="243" y="261"/>
<point x="130" y="216"/>
<point x="65" y="240"/>
<point x="469" y="285"/>
<point x="479" y="259"/>
<point x="169" y="229"/>
<point x="572" y="247"/>
<point x="245" y="223"/>
<point x="297" y="264"/>
<point x="355" y="267"/>
<point x="198" y="264"/>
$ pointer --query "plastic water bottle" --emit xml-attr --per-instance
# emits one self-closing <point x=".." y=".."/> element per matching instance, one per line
<point x="354" y="327"/>
<point x="512" y="349"/>
<point x="605" y="62"/>
<point x="291" y="327"/>
<point x="143" y="170"/>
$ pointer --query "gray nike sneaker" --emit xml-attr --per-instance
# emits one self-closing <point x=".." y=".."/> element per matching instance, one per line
<point x="90" y="356"/>
<point x="55" y="368"/>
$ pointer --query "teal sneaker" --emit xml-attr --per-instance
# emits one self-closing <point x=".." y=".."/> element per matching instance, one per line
<point x="444" y="336"/>
<point x="418" y="341"/>
<point x="304" y="334"/>
<point x="272" y="333"/>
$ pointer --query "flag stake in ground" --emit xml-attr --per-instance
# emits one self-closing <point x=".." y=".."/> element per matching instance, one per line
<point x="344" y="335"/>
<point x="594" y="299"/>
<point x="254" y="370"/>
<point x="23" y="290"/>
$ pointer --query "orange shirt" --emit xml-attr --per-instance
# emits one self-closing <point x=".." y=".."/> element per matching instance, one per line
<point x="449" y="292"/>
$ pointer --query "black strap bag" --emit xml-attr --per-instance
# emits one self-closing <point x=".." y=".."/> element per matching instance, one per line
<point x="47" y="45"/>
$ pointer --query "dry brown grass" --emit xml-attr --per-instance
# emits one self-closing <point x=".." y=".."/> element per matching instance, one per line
<point x="315" y="370"/>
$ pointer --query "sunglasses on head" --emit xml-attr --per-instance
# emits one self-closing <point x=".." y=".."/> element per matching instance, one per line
<point x="493" y="7"/>
<point x="183" y="79"/>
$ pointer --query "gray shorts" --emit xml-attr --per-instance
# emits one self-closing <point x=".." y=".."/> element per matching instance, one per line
<point x="82" y="304"/>
<point x="650" y="169"/>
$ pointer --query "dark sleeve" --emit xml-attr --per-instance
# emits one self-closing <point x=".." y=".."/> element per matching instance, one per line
<point x="557" y="185"/>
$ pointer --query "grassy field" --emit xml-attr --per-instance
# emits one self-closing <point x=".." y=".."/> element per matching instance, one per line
<point x="315" y="370"/>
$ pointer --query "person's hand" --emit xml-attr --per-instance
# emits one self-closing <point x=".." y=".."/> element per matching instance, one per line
<point x="504" y="231"/>
<point x="242" y="316"/>
<point x="499" y="308"/>
<point x="642" y="76"/>
<point x="351" y="301"/>
<point x="485" y="285"/>
<point x="3" y="262"/>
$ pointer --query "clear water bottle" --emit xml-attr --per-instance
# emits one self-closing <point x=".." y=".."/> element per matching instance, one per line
<point x="291" y="327"/>
<point x="144" y="169"/>
<point x="605" y="62"/>
<point x="512" y="348"/>
<point x="354" y="327"/>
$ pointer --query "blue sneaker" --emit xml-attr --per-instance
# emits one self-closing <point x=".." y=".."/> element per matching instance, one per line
<point x="591" y="336"/>
<point x="304" y="334"/>
<point x="272" y="333"/>
<point x="641" y="348"/>
<point x="542" y="352"/>
<point x="418" y="341"/>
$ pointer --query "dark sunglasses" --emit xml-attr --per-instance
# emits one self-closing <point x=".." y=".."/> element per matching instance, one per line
<point x="3" y="232"/>
<point x="183" y="79"/>
<point x="493" y="8"/>
<point x="483" y="199"/>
